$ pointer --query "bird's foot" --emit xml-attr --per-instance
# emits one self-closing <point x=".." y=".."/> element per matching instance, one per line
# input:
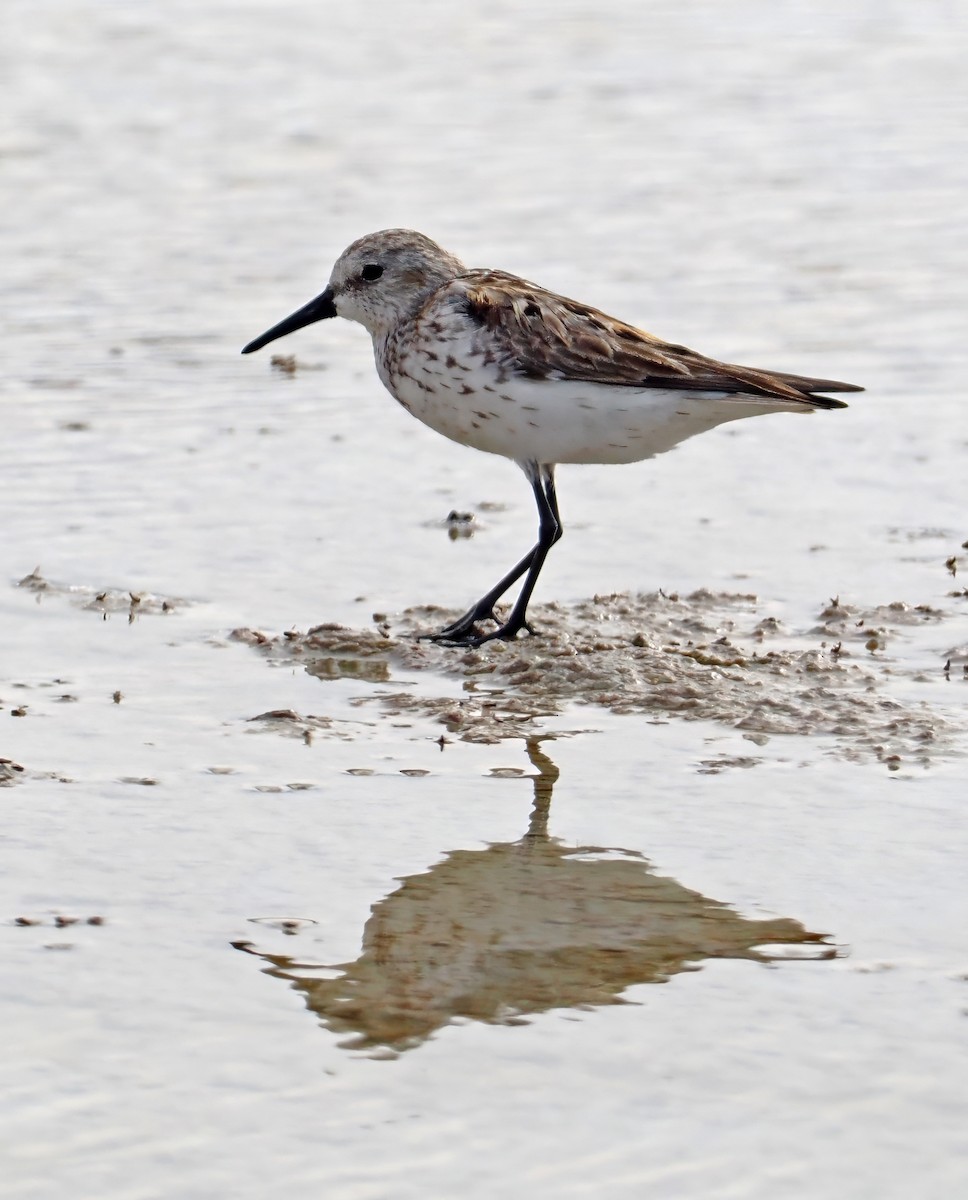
<point x="505" y="633"/>
<point x="464" y="633"/>
<point x="464" y="630"/>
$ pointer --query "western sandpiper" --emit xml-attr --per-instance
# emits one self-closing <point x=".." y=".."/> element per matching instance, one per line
<point x="500" y="364"/>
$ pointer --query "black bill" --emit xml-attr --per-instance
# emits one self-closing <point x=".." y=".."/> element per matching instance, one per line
<point x="316" y="310"/>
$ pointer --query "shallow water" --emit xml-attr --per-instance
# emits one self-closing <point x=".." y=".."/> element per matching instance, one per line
<point x="386" y="919"/>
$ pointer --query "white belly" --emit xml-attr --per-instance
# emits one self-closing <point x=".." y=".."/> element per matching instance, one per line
<point x="558" y="421"/>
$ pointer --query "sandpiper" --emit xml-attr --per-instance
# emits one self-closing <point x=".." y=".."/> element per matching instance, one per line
<point x="503" y="365"/>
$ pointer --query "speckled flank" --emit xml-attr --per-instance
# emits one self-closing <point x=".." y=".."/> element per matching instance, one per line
<point x="554" y="421"/>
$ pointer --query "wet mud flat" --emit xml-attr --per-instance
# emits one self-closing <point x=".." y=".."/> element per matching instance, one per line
<point x="500" y="934"/>
<point x="851" y="677"/>
<point x="494" y="934"/>
<point x="260" y="831"/>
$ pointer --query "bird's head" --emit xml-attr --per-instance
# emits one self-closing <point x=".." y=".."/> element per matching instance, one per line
<point x="377" y="281"/>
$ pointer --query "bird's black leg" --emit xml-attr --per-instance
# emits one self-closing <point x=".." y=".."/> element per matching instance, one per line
<point x="464" y="630"/>
<point x="549" y="531"/>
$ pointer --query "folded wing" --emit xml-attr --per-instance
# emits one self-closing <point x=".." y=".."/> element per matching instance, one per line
<point x="546" y="336"/>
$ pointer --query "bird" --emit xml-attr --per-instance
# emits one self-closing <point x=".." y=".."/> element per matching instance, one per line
<point x="505" y="366"/>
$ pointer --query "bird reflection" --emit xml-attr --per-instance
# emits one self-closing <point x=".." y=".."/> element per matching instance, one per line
<point x="519" y="928"/>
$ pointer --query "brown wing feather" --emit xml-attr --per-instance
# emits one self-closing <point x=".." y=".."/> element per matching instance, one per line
<point x="547" y="336"/>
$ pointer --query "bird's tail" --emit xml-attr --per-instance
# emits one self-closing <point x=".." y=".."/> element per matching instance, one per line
<point x="812" y="389"/>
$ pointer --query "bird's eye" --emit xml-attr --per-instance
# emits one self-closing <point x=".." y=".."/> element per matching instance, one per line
<point x="371" y="271"/>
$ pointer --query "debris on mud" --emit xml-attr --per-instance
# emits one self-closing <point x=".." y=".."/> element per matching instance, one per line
<point x="703" y="656"/>
<point x="10" y="772"/>
<point x="103" y="600"/>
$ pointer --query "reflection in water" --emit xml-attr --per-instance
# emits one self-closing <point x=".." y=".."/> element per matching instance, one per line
<point x="519" y="928"/>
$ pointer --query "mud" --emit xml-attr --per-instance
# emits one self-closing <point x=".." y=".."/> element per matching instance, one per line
<point x="702" y="656"/>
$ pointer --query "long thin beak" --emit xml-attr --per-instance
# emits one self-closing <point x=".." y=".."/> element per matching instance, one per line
<point x="316" y="310"/>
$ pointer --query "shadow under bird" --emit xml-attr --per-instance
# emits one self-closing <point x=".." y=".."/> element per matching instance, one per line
<point x="495" y="362"/>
